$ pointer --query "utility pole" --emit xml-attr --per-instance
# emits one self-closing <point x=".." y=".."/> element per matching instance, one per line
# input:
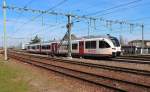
<point x="88" y="29"/>
<point x="142" y="39"/>
<point x="4" y="28"/>
<point x="69" y="36"/>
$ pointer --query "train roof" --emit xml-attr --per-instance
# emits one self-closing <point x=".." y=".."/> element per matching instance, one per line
<point x="94" y="37"/>
<point x="85" y="38"/>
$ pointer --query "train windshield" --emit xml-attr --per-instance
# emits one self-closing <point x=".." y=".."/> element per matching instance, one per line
<point x="115" y="42"/>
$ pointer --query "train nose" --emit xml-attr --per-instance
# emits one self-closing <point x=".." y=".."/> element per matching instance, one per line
<point x="114" y="54"/>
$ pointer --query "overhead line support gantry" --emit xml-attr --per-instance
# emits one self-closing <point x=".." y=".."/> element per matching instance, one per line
<point x="69" y="24"/>
<point x="69" y="16"/>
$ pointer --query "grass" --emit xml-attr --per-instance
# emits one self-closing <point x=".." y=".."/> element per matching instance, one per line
<point x="10" y="79"/>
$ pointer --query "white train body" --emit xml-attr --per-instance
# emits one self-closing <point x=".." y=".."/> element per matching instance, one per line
<point x="98" y="46"/>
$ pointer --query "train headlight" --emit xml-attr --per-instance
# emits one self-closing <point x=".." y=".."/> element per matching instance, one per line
<point x="114" y="48"/>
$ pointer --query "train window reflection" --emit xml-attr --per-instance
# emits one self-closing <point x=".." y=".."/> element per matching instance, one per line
<point x="90" y="44"/>
<point x="103" y="44"/>
<point x="74" y="46"/>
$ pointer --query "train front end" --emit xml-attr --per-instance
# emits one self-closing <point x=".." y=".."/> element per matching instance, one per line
<point x="116" y="50"/>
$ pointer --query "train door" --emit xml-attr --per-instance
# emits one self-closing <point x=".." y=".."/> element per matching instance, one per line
<point x="54" y="48"/>
<point x="39" y="48"/>
<point x="81" y="47"/>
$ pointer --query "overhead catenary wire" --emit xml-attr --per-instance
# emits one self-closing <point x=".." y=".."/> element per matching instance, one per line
<point x="57" y="13"/>
<point x="139" y="19"/>
<point x="26" y="5"/>
<point x="45" y="26"/>
<point x="114" y="7"/>
<point x="75" y="16"/>
<point x="34" y="18"/>
<point x="55" y="6"/>
<point x="66" y="14"/>
<point x="116" y="11"/>
<point x="29" y="2"/>
<point x="52" y="28"/>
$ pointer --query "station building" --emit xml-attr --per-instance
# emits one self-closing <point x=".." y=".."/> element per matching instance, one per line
<point x="135" y="47"/>
<point x="138" y="43"/>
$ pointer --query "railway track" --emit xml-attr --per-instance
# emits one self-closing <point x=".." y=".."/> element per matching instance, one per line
<point x="115" y="68"/>
<point x="131" y="60"/>
<point x="91" y="64"/>
<point x="144" y="58"/>
<point x="101" y="75"/>
<point x="127" y="59"/>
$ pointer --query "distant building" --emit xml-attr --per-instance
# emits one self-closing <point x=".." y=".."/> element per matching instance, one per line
<point x="138" y="43"/>
<point x="135" y="47"/>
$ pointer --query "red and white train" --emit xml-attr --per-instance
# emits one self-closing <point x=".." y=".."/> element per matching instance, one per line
<point x="96" y="46"/>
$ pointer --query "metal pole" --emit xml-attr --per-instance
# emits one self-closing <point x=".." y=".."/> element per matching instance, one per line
<point x="5" y="40"/>
<point x="69" y="36"/>
<point x="88" y="29"/>
<point x="142" y="39"/>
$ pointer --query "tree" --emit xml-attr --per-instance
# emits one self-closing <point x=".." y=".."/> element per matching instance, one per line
<point x="35" y="40"/>
<point x="72" y="37"/>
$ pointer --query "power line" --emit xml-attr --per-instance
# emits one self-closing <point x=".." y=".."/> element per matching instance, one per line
<point x="66" y="14"/>
<point x="118" y="10"/>
<point x="29" y="2"/>
<point x="114" y="7"/>
<point x="69" y="16"/>
<point x="52" y="26"/>
<point x="138" y="19"/>
<point x="41" y="13"/>
<point x="55" y="6"/>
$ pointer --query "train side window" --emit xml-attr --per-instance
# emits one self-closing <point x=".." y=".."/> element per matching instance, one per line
<point x="33" y="47"/>
<point x="28" y="47"/>
<point x="43" y="47"/>
<point x="74" y="46"/>
<point x="90" y="44"/>
<point x="38" y="46"/>
<point x="103" y="44"/>
<point x="48" y="46"/>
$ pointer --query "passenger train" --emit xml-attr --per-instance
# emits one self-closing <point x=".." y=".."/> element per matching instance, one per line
<point x="101" y="46"/>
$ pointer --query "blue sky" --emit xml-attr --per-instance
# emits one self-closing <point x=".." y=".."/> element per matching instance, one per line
<point x="49" y="27"/>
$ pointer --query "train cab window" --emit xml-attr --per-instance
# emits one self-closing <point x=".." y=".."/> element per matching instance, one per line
<point x="115" y="42"/>
<point x="103" y="44"/>
<point x="74" y="46"/>
<point x="90" y="44"/>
